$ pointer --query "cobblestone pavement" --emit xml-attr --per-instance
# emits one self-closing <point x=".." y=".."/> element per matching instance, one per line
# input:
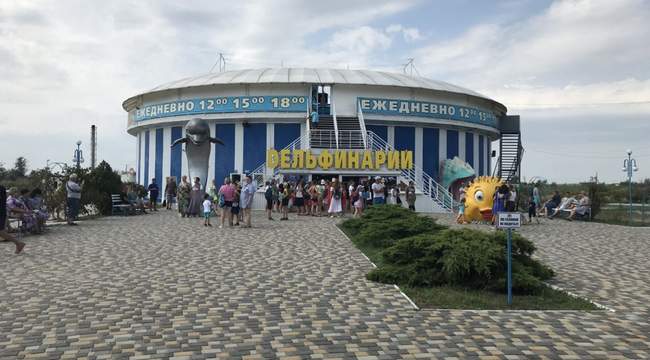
<point x="158" y="286"/>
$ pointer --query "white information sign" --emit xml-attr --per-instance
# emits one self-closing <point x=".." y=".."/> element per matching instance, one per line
<point x="508" y="220"/>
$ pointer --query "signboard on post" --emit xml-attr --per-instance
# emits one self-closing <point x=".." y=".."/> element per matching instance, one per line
<point x="509" y="221"/>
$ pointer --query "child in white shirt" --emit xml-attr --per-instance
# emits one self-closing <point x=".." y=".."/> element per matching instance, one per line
<point x="207" y="210"/>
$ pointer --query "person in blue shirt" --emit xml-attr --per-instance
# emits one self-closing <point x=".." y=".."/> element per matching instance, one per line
<point x="153" y="195"/>
<point x="314" y="117"/>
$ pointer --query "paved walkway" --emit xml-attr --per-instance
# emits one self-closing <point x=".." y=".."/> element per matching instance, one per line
<point x="158" y="286"/>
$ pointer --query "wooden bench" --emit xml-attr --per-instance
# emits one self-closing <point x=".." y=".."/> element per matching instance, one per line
<point x="118" y="206"/>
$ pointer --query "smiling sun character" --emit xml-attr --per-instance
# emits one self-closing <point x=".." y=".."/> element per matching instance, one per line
<point x="479" y="198"/>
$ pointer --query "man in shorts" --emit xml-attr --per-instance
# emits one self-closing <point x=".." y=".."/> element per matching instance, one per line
<point x="3" y="222"/>
<point x="378" y="191"/>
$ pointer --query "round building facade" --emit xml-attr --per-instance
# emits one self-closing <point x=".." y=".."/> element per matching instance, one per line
<point x="254" y="111"/>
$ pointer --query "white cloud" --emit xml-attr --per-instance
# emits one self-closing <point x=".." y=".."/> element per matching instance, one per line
<point x="408" y="33"/>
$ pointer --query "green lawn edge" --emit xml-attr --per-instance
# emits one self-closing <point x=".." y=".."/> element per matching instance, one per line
<point x="449" y="297"/>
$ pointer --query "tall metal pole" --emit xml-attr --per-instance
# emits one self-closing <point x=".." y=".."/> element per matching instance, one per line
<point x="509" y="266"/>
<point x="630" y="166"/>
<point x="93" y="146"/>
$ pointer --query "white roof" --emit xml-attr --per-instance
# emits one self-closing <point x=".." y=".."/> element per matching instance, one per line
<point x="314" y="76"/>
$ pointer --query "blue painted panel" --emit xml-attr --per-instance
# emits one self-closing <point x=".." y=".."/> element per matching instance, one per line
<point x="379" y="130"/>
<point x="404" y="138"/>
<point x="176" y="163"/>
<point x="284" y="134"/>
<point x="481" y="155"/>
<point x="430" y="152"/>
<point x="139" y="155"/>
<point x="452" y="144"/>
<point x="224" y="155"/>
<point x="146" y="158"/>
<point x="469" y="149"/>
<point x="159" y="161"/>
<point x="254" y="146"/>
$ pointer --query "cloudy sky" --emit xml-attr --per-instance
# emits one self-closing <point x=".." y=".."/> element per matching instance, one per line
<point x="578" y="72"/>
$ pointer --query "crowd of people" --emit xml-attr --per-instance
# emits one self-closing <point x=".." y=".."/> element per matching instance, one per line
<point x="506" y="199"/>
<point x="232" y="201"/>
<point x="27" y="209"/>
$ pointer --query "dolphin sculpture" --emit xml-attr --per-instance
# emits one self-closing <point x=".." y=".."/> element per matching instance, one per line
<point x="198" y="143"/>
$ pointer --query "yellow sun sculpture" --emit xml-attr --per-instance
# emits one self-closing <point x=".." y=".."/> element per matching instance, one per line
<point x="479" y="198"/>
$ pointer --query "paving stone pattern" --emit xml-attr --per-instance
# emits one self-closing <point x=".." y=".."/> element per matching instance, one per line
<point x="157" y="286"/>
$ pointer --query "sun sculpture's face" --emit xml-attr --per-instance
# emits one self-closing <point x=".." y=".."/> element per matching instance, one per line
<point x="479" y="198"/>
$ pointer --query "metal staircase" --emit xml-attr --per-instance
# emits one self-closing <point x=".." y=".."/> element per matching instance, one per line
<point x="510" y="153"/>
<point x="350" y="133"/>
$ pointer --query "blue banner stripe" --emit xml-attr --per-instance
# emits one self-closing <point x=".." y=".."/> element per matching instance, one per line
<point x="427" y="109"/>
<point x="218" y="105"/>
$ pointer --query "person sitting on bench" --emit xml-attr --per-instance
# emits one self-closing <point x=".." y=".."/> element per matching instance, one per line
<point x="582" y="207"/>
<point x="567" y="203"/>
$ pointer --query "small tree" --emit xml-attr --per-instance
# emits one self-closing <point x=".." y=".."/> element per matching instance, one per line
<point x="20" y="168"/>
<point x="98" y="185"/>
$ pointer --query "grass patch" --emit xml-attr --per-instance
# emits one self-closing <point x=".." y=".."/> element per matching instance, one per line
<point x="448" y="297"/>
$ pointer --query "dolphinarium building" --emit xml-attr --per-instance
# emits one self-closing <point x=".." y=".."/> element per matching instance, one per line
<point x="258" y="113"/>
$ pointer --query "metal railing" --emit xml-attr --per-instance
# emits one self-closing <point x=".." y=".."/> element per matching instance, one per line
<point x="362" y="125"/>
<point x="423" y="182"/>
<point x="336" y="125"/>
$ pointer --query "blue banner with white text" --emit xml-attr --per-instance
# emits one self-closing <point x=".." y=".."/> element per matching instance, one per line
<point x="226" y="104"/>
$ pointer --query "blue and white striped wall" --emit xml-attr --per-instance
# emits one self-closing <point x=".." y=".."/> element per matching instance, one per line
<point x="245" y="148"/>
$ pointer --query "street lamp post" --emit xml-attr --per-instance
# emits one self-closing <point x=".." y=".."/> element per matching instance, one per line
<point x="78" y="155"/>
<point x="630" y="166"/>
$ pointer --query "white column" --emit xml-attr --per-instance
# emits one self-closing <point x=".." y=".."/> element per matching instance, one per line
<point x="239" y="147"/>
<point x="139" y="160"/>
<point x="304" y="142"/>
<point x="270" y="143"/>
<point x="442" y="148"/>
<point x="152" y="156"/>
<point x="166" y="165"/>
<point x="461" y="145"/>
<point x="419" y="140"/>
<point x="476" y="154"/>
<point x="390" y="135"/>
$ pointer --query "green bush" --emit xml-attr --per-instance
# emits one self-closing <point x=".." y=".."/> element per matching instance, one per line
<point x="98" y="185"/>
<point x="381" y="225"/>
<point x="466" y="258"/>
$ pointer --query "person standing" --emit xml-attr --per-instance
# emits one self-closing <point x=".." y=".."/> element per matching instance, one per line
<point x="234" y="210"/>
<point x="536" y="197"/>
<point x="226" y="196"/>
<point x="512" y="199"/>
<point x="395" y="194"/>
<point x="153" y="195"/>
<point x="283" y="191"/>
<point x="378" y="192"/>
<point x="207" y="210"/>
<point x="170" y="192"/>
<point x="73" y="198"/>
<point x="3" y="221"/>
<point x="183" y="196"/>
<point x="336" y="196"/>
<point x="196" y="198"/>
<point x="247" y="194"/>
<point x="268" y="196"/>
<point x="410" y="196"/>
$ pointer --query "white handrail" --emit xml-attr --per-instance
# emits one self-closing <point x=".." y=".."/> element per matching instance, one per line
<point x="362" y="125"/>
<point x="336" y="126"/>
<point x="424" y="182"/>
